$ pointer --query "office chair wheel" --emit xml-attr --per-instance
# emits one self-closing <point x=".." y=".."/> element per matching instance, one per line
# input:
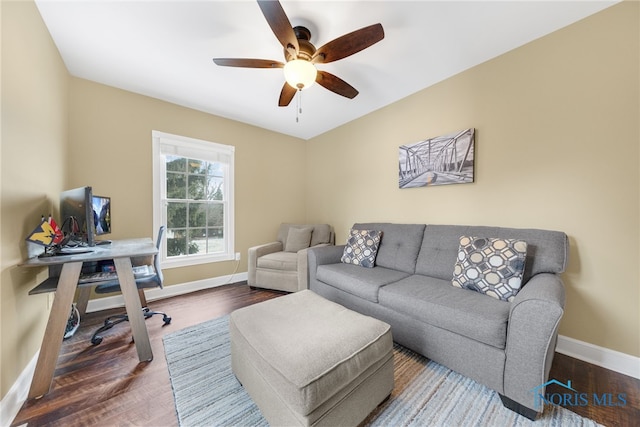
<point x="166" y="319"/>
<point x="96" y="340"/>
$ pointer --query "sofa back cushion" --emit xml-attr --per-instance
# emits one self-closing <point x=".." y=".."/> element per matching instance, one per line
<point x="399" y="246"/>
<point x="322" y="233"/>
<point x="547" y="251"/>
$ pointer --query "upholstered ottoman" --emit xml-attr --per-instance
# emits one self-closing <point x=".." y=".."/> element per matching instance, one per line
<point x="307" y="361"/>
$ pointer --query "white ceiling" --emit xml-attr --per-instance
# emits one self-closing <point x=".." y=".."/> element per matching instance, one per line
<point x="164" y="49"/>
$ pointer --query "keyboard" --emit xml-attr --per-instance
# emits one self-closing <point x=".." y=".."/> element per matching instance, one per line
<point x="101" y="276"/>
<point x="73" y="250"/>
<point x="104" y="276"/>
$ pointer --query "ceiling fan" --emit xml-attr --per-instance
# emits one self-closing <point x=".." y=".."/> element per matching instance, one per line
<point x="300" y="55"/>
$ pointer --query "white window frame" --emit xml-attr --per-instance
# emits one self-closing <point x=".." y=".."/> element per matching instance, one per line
<point x="167" y="144"/>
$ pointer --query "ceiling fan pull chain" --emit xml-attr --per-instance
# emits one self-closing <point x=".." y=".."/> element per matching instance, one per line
<point x="300" y="101"/>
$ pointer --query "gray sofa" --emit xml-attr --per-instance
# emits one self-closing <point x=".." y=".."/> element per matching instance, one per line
<point x="505" y="345"/>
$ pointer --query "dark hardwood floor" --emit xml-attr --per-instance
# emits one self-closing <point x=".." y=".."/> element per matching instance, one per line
<point x="105" y="385"/>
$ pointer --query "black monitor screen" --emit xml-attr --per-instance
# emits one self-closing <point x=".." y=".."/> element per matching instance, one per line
<point x="102" y="214"/>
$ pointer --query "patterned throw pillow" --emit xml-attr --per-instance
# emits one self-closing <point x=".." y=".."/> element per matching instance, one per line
<point x="493" y="267"/>
<point x="362" y="247"/>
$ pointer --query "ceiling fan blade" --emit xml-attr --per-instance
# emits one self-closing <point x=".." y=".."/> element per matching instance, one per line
<point x="248" y="63"/>
<point x="348" y="44"/>
<point x="336" y="84"/>
<point x="280" y="25"/>
<point x="286" y="95"/>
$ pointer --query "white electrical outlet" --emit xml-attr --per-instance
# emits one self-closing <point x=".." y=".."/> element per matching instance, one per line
<point x="237" y="256"/>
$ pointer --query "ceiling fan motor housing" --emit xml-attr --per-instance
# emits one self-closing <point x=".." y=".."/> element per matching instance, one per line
<point x="306" y="49"/>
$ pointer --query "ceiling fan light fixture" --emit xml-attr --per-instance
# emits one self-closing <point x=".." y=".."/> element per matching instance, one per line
<point x="300" y="74"/>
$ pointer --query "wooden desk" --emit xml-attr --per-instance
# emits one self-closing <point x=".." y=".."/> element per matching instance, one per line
<point x="121" y="252"/>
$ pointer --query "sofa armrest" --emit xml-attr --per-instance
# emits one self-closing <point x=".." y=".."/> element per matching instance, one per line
<point x="324" y="255"/>
<point x="256" y="252"/>
<point x="303" y="266"/>
<point x="320" y="256"/>
<point x="531" y="337"/>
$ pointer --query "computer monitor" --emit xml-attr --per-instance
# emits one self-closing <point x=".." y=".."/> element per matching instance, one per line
<point x="101" y="215"/>
<point x="76" y="212"/>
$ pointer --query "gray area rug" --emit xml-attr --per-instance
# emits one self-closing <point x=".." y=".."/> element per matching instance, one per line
<point x="207" y="393"/>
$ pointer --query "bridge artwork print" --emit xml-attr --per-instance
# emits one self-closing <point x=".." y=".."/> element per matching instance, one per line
<point x="447" y="159"/>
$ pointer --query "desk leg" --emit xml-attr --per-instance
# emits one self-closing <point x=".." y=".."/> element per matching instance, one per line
<point x="134" y="309"/>
<point x="83" y="300"/>
<point x="54" y="332"/>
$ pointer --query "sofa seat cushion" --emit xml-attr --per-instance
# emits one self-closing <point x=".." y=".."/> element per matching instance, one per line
<point x="436" y="302"/>
<point x="359" y="281"/>
<point x="285" y="261"/>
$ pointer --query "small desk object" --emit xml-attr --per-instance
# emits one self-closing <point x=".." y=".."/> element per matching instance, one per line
<point x="121" y="252"/>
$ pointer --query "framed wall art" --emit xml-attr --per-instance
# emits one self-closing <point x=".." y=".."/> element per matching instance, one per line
<point x="443" y="160"/>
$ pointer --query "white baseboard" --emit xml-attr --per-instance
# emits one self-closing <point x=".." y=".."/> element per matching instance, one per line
<point x="17" y="395"/>
<point x="170" y="291"/>
<point x="600" y="356"/>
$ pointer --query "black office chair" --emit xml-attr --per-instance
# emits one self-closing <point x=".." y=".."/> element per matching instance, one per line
<point x="148" y="281"/>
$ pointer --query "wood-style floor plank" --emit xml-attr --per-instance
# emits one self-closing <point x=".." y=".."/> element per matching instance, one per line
<point x="105" y="385"/>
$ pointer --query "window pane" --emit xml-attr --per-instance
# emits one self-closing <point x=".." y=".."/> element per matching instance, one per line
<point x="199" y="167"/>
<point x="197" y="215"/>
<point x="216" y="169"/>
<point x="197" y="187"/>
<point x="215" y="242"/>
<point x="197" y="240"/>
<point x="176" y="215"/>
<point x="215" y="188"/>
<point x="176" y="164"/>
<point x="176" y="185"/>
<point x="216" y="232"/>
<point x="215" y="215"/>
<point x="176" y="242"/>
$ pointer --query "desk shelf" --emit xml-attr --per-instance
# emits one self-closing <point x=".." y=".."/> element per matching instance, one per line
<point x="51" y="284"/>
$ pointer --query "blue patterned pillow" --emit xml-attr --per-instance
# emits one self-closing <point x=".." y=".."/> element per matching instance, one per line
<point x="362" y="247"/>
<point x="490" y="266"/>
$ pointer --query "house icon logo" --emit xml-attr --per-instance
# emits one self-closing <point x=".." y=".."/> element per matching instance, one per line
<point x="538" y="391"/>
<point x="567" y="385"/>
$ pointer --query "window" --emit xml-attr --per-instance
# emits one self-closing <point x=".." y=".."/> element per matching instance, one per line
<point x="193" y="198"/>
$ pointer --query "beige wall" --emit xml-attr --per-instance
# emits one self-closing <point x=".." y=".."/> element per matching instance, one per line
<point x="115" y="127"/>
<point x="557" y="147"/>
<point x="34" y="135"/>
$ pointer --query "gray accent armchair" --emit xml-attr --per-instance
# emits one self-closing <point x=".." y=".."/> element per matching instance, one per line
<point x="282" y="265"/>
